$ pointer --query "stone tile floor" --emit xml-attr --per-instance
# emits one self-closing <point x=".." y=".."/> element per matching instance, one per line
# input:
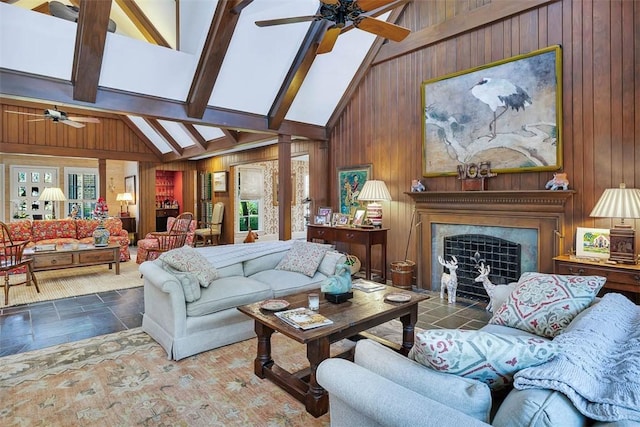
<point x="34" y="326"/>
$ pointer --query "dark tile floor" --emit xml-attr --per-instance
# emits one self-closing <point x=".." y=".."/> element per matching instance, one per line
<point x="34" y="326"/>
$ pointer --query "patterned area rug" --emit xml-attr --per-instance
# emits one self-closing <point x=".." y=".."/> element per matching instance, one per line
<point x="71" y="282"/>
<point x="125" y="379"/>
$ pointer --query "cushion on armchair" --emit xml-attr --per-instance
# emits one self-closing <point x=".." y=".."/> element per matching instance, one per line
<point x="490" y="358"/>
<point x="545" y="304"/>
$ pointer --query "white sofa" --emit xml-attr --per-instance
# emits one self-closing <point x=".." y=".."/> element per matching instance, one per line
<point x="246" y="274"/>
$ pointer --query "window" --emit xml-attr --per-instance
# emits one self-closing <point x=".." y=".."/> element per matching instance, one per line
<point x="81" y="191"/>
<point x="250" y="193"/>
<point x="27" y="184"/>
<point x="249" y="215"/>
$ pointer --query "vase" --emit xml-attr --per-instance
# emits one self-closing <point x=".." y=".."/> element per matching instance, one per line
<point x="101" y="236"/>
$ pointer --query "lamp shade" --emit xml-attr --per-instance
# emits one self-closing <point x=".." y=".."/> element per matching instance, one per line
<point x="619" y="202"/>
<point x="124" y="197"/>
<point x="52" y="194"/>
<point x="374" y="191"/>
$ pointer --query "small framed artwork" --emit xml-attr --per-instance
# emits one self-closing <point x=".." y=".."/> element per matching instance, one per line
<point x="130" y="187"/>
<point x="220" y="181"/>
<point x="320" y="220"/>
<point x="592" y="242"/>
<point x="325" y="211"/>
<point x="351" y="179"/>
<point x="358" y="217"/>
<point x="343" y="220"/>
<point x="335" y="218"/>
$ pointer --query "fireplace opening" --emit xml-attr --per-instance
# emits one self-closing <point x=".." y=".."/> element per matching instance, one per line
<point x="471" y="250"/>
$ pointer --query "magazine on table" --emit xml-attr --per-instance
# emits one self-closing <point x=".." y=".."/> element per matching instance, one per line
<point x="366" y="286"/>
<point x="303" y="318"/>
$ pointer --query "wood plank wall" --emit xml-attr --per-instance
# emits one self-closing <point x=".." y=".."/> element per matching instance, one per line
<point x="381" y="124"/>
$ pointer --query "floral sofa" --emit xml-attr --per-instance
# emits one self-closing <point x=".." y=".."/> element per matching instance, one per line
<point x="60" y="231"/>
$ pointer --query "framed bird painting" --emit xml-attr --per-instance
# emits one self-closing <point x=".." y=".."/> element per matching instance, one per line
<point x="507" y="112"/>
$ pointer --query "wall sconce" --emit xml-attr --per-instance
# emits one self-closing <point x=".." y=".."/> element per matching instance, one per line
<point x="112" y="186"/>
<point x="374" y="191"/>
<point x="52" y="194"/>
<point x="620" y="203"/>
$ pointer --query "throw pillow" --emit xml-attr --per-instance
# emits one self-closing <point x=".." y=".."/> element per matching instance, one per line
<point x="545" y="304"/>
<point x="303" y="257"/>
<point x="329" y="262"/>
<point x="490" y="358"/>
<point x="189" y="283"/>
<point x="190" y="260"/>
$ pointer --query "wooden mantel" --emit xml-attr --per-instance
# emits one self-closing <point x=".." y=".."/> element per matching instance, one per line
<point x="542" y="210"/>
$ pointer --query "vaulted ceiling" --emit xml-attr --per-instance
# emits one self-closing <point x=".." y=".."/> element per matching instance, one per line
<point x="196" y="78"/>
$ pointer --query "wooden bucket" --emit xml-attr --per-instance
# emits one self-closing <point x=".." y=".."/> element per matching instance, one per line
<point x="402" y="274"/>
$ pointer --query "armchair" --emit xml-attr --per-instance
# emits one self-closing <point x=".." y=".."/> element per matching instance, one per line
<point x="12" y="262"/>
<point x="214" y="227"/>
<point x="183" y="223"/>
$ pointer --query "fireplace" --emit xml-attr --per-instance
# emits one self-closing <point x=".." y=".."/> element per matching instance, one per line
<point x="532" y="219"/>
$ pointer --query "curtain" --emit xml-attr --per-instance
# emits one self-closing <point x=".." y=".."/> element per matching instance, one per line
<point x="251" y="183"/>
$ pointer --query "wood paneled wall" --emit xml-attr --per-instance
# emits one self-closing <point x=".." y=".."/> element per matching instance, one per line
<point x="381" y="124"/>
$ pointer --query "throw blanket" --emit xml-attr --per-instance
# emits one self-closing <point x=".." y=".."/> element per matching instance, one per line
<point x="225" y="255"/>
<point x="598" y="362"/>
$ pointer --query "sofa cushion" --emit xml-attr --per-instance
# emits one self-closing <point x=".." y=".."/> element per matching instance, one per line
<point x="264" y="262"/>
<point x="229" y="292"/>
<point x="537" y="408"/>
<point x="20" y="230"/>
<point x="53" y="229"/>
<point x="486" y="357"/>
<point x="231" y="270"/>
<point x="303" y="257"/>
<point x="188" y="259"/>
<point x="288" y="282"/>
<point x="544" y="304"/>
<point x="329" y="261"/>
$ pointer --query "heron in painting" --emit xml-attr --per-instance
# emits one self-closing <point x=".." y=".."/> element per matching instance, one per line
<point x="498" y="93"/>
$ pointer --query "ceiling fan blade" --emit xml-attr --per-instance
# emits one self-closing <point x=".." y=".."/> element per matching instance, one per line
<point x="384" y="29"/>
<point x="72" y="123"/>
<point x="270" y="22"/>
<point x="25" y="114"/>
<point x="368" y="5"/>
<point x="84" y="119"/>
<point x="328" y="41"/>
<point x="36" y="120"/>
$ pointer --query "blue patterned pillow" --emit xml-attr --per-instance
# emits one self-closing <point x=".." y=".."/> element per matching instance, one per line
<point x="303" y="257"/>
<point x="490" y="358"/>
<point x="545" y="304"/>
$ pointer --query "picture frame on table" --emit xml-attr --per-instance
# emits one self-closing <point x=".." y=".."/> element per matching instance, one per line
<point x="463" y="122"/>
<point x="358" y="217"/>
<point x="220" y="182"/>
<point x="320" y="220"/>
<point x="592" y="243"/>
<point x="343" y="220"/>
<point x="351" y="179"/>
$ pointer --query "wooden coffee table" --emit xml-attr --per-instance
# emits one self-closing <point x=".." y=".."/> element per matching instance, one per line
<point x="362" y="312"/>
<point x="66" y="257"/>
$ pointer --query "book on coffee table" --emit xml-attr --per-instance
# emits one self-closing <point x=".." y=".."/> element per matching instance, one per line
<point x="303" y="318"/>
<point x="366" y="286"/>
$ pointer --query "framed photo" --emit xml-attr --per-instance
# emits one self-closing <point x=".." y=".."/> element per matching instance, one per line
<point x="335" y="218"/>
<point x="130" y="186"/>
<point x="276" y="189"/>
<point x="220" y="181"/>
<point x="320" y="220"/>
<point x="358" y="217"/>
<point x="325" y="211"/>
<point x="343" y="220"/>
<point x="351" y="179"/>
<point x="592" y="242"/>
<point x="507" y="112"/>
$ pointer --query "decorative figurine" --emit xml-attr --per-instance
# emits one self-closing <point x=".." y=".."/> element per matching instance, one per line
<point x="488" y="286"/>
<point x="449" y="281"/>
<point x="558" y="181"/>
<point x="417" y="186"/>
<point x="340" y="282"/>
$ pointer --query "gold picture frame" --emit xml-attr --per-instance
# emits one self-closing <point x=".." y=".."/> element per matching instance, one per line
<point x="276" y="189"/>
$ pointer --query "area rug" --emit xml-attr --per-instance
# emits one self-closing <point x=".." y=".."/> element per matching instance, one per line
<point x="55" y="284"/>
<point x="125" y="379"/>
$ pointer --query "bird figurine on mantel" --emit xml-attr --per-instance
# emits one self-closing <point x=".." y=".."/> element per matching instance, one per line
<point x="500" y="93"/>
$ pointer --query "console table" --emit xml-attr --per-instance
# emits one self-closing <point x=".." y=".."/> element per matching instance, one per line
<point x="363" y="236"/>
<point x="623" y="278"/>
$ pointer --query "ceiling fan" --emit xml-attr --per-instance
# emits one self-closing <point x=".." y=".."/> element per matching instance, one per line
<point x="342" y="12"/>
<point x="56" y="116"/>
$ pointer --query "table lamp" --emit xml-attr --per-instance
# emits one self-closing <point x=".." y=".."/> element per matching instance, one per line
<point x="52" y="194"/>
<point x="124" y="197"/>
<point x="620" y="203"/>
<point x="374" y="191"/>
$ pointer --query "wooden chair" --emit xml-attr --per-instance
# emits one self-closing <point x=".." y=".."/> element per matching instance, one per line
<point x="176" y="237"/>
<point x="12" y="262"/>
<point x="214" y="228"/>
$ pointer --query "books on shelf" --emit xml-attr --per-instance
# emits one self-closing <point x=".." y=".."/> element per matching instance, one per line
<point x="367" y="286"/>
<point x="303" y="318"/>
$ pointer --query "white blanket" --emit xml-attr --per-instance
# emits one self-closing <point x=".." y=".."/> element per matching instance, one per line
<point x="598" y="363"/>
<point x="225" y="255"/>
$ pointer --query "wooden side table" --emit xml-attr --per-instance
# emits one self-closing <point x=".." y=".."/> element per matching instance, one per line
<point x="129" y="224"/>
<point x="363" y="236"/>
<point x="624" y="278"/>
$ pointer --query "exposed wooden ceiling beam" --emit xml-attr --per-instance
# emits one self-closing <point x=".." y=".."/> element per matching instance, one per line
<point x="19" y="84"/>
<point x="218" y="145"/>
<point x="141" y="22"/>
<point x="173" y="144"/>
<point x="231" y="134"/>
<point x="195" y="135"/>
<point x="223" y="24"/>
<point x="91" y="36"/>
<point x="295" y="76"/>
<point x="484" y="15"/>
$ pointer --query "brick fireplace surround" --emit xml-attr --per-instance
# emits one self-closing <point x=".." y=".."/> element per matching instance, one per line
<point x="536" y="209"/>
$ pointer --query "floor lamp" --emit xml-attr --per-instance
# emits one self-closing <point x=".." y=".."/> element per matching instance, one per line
<point x="53" y="195"/>
<point x="374" y="192"/>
